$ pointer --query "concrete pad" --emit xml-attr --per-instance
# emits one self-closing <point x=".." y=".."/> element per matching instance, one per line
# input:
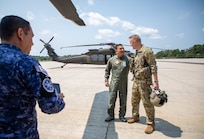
<point x="86" y="100"/>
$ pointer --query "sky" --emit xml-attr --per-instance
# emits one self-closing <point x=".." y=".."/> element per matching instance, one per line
<point x="166" y="24"/>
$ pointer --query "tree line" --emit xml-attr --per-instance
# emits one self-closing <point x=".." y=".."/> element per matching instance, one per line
<point x="197" y="51"/>
<point x="42" y="58"/>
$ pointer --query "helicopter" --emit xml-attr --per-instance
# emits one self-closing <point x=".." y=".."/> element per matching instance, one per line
<point x="68" y="10"/>
<point x="93" y="56"/>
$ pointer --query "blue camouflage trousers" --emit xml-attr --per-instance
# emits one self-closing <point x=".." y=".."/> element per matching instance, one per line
<point x="141" y="90"/>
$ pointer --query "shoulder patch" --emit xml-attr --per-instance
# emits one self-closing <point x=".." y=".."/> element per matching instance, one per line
<point x="47" y="85"/>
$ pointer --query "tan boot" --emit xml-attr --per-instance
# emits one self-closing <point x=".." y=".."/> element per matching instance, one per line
<point x="149" y="129"/>
<point x="133" y="119"/>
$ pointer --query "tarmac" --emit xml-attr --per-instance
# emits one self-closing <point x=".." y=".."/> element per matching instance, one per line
<point x="86" y="98"/>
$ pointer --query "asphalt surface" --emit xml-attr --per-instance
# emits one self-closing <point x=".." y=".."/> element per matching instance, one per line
<point x="86" y="98"/>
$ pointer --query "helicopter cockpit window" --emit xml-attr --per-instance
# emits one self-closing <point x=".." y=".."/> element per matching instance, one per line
<point x="94" y="57"/>
<point x="100" y="57"/>
<point x="108" y="56"/>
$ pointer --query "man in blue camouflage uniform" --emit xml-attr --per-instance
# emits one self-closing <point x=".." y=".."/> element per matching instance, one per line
<point x="144" y="68"/>
<point x="119" y="65"/>
<point x="23" y="82"/>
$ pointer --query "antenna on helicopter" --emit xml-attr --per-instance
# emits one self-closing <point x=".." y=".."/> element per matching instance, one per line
<point x="46" y="44"/>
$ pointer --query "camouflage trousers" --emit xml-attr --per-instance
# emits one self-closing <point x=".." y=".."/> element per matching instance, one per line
<point x="141" y="90"/>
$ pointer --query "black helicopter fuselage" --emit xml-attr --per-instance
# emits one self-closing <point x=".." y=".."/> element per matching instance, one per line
<point x="93" y="56"/>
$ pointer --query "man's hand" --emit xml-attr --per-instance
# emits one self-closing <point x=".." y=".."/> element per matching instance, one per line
<point x="62" y="95"/>
<point x="156" y="85"/>
<point x="106" y="84"/>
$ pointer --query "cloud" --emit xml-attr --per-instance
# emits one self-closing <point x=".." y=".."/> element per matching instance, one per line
<point x="48" y="33"/>
<point x="45" y="32"/>
<point x="106" y="34"/>
<point x="203" y="29"/>
<point x="113" y="21"/>
<point x="48" y="19"/>
<point x="180" y="35"/>
<point x="127" y="25"/>
<point x="90" y="2"/>
<point x="146" y="31"/>
<point x="156" y="36"/>
<point x="30" y="15"/>
<point x="96" y="19"/>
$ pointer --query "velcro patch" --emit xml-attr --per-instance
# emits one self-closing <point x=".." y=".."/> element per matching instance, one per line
<point x="47" y="85"/>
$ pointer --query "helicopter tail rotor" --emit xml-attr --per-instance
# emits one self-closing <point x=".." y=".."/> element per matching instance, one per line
<point x="42" y="50"/>
<point x="46" y="44"/>
<point x="42" y="41"/>
<point x="50" y="40"/>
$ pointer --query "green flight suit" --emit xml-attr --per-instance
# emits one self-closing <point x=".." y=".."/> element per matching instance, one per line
<point x="119" y="68"/>
<point x="144" y="65"/>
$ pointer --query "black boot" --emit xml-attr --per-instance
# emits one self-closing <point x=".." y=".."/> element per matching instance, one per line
<point x="109" y="118"/>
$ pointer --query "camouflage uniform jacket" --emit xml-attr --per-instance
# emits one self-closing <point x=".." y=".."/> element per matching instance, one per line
<point x="144" y="64"/>
<point x="23" y="82"/>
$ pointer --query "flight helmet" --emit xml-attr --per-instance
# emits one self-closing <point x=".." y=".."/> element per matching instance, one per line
<point x="158" y="97"/>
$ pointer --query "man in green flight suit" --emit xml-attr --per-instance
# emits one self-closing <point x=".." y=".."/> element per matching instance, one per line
<point x="144" y="68"/>
<point x="119" y="65"/>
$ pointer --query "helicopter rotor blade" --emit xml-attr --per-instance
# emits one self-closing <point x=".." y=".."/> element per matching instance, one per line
<point x="80" y="46"/>
<point x="99" y="44"/>
<point x="42" y="41"/>
<point x="150" y="47"/>
<point x="158" y="48"/>
<point x="44" y="45"/>
<point x="126" y="45"/>
<point x="42" y="49"/>
<point x="110" y="43"/>
<point x="51" y="39"/>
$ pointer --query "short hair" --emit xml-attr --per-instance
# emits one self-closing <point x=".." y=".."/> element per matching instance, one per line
<point x="10" y="24"/>
<point x="135" y="37"/>
<point x="116" y="46"/>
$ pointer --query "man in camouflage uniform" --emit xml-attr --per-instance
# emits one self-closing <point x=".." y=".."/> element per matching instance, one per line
<point x="22" y="82"/>
<point x="119" y="65"/>
<point x="143" y="69"/>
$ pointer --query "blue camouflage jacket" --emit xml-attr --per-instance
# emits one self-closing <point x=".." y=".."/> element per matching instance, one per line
<point x="23" y="82"/>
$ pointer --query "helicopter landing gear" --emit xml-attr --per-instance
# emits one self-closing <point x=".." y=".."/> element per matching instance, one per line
<point x="64" y="65"/>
